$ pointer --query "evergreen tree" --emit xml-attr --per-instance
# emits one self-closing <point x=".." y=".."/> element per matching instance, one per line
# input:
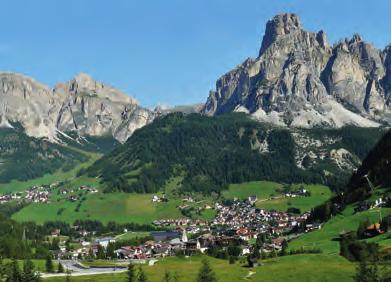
<point x="60" y="268"/>
<point x="374" y="272"/>
<point x="110" y="251"/>
<point x="91" y="254"/>
<point x="284" y="248"/>
<point x="68" y="276"/>
<point x="141" y="276"/>
<point x="131" y="273"/>
<point x="3" y="274"/>
<point x="15" y="275"/>
<point x="49" y="264"/>
<point x="101" y="253"/>
<point x="29" y="274"/>
<point x="206" y="273"/>
<point x="367" y="273"/>
<point x="68" y="246"/>
<point x="55" y="244"/>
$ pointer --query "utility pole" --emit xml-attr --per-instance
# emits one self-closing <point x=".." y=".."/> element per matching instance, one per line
<point x="369" y="182"/>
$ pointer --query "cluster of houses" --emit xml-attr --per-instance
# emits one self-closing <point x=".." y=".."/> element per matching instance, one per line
<point x="38" y="194"/>
<point x="178" y="222"/>
<point x="158" y="199"/>
<point x="9" y="197"/>
<point x="42" y="193"/>
<point x="378" y="203"/>
<point x="242" y="214"/>
<point x="35" y="194"/>
<point x="164" y="243"/>
<point x="85" y="188"/>
<point x="238" y="222"/>
<point x="298" y="193"/>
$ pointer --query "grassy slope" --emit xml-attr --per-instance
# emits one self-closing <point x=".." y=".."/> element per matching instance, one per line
<point x="319" y="194"/>
<point x="39" y="264"/>
<point x="16" y="185"/>
<point x="127" y="207"/>
<point x="119" y="207"/>
<point x="269" y="199"/>
<point x="323" y="238"/>
<point x="291" y="268"/>
<point x="263" y="189"/>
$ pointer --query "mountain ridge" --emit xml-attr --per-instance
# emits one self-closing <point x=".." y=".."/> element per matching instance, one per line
<point x="211" y="152"/>
<point x="80" y="105"/>
<point x="299" y="79"/>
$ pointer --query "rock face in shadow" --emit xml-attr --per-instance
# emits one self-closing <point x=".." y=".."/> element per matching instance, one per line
<point x="298" y="79"/>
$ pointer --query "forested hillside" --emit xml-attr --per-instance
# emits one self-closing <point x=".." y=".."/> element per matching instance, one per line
<point x="211" y="152"/>
<point x="23" y="157"/>
<point x="376" y="168"/>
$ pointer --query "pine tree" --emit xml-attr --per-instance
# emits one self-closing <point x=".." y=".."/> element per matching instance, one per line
<point x="55" y="244"/>
<point x="141" y="276"/>
<point x="131" y="273"/>
<point x="68" y="276"/>
<point x="15" y="275"/>
<point x="60" y="268"/>
<point x="110" y="251"/>
<point x="68" y="246"/>
<point x="29" y="274"/>
<point x="374" y="273"/>
<point x="49" y="263"/>
<point x="367" y="273"/>
<point x="3" y="273"/>
<point x="101" y="252"/>
<point x="206" y="273"/>
<point x="91" y="254"/>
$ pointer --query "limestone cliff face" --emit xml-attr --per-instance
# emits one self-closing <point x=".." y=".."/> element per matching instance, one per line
<point x="82" y="105"/>
<point x="92" y="108"/>
<point x="30" y="103"/>
<point x="298" y="79"/>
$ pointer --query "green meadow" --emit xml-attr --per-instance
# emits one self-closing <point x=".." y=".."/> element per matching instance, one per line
<point x="314" y="268"/>
<point x="325" y="238"/>
<point x="269" y="198"/>
<point x="118" y="207"/>
<point x="15" y="186"/>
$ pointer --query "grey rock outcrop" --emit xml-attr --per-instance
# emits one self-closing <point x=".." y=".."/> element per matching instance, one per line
<point x="82" y="105"/>
<point x="95" y="109"/>
<point x="298" y="79"/>
<point x="30" y="103"/>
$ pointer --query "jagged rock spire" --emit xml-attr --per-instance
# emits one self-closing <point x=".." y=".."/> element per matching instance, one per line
<point x="280" y="25"/>
<point x="298" y="79"/>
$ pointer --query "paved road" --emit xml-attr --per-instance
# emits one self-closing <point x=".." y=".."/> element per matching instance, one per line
<point x="78" y="270"/>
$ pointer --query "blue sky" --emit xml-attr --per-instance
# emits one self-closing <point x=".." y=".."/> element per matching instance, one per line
<point x="163" y="51"/>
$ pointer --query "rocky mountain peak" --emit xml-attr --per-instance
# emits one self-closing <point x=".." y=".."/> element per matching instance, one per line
<point x="82" y="104"/>
<point x="278" y="26"/>
<point x="85" y="85"/>
<point x="356" y="38"/>
<point x="299" y="80"/>
<point x="85" y="81"/>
